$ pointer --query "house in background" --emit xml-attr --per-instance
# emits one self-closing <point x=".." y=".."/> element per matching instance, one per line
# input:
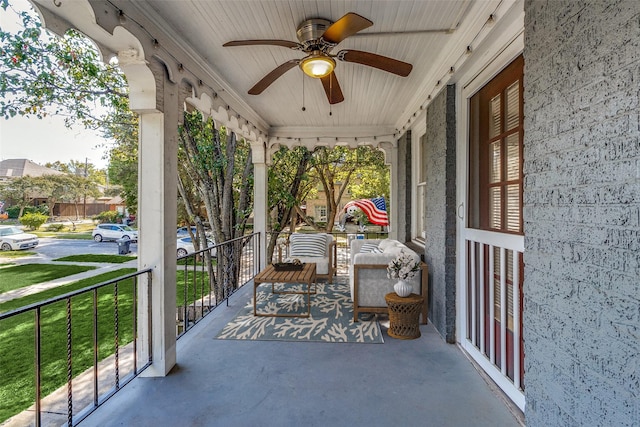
<point x="514" y="146"/>
<point x="15" y="168"/>
<point x="316" y="207"/>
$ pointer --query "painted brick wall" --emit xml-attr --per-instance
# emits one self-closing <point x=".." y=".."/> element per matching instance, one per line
<point x="404" y="188"/>
<point x="440" y="241"/>
<point x="582" y="213"/>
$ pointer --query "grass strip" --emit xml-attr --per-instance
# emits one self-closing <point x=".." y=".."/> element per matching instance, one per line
<point x="74" y="236"/>
<point x="114" y="259"/>
<point x="19" y="276"/>
<point x="16" y="254"/>
<point x="69" y="235"/>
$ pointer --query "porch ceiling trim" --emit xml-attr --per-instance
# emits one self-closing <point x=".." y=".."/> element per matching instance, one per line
<point x="184" y="54"/>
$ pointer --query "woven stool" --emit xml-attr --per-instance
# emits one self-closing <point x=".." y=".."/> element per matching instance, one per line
<point x="404" y="314"/>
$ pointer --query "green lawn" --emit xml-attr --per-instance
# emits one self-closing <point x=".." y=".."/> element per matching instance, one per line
<point x="20" y="276"/>
<point x="15" y="254"/>
<point x="85" y="235"/>
<point x="115" y="259"/>
<point x="17" y="389"/>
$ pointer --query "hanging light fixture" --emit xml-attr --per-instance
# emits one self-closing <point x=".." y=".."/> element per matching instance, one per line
<point x="317" y="65"/>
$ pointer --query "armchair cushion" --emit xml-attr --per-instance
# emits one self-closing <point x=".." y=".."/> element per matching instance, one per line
<point x="312" y="245"/>
<point x="318" y="248"/>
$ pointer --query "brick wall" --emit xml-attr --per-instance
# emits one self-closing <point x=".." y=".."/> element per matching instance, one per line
<point x="403" y="210"/>
<point x="440" y="240"/>
<point x="582" y="213"/>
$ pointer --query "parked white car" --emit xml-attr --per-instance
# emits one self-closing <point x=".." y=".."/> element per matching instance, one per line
<point x="184" y="231"/>
<point x="12" y="238"/>
<point x="185" y="246"/>
<point x="114" y="232"/>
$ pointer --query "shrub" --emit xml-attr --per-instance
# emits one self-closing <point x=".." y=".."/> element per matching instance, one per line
<point x="55" y="227"/>
<point x="107" y="216"/>
<point x="14" y="211"/>
<point x="33" y="220"/>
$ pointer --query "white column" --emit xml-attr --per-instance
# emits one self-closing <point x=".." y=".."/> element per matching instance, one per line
<point x="393" y="193"/>
<point x="157" y="217"/>
<point x="260" y="202"/>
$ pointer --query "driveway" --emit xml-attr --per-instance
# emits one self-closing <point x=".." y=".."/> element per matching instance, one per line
<point x="50" y="249"/>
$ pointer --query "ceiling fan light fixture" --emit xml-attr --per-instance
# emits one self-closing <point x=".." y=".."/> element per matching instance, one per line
<point x="317" y="65"/>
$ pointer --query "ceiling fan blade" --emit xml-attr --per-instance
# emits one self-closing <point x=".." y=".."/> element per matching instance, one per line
<point x="377" y="61"/>
<point x="272" y="77"/>
<point x="346" y="26"/>
<point x="332" y="88"/>
<point x="283" y="43"/>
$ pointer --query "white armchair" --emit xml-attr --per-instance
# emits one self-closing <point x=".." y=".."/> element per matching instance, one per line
<point x="318" y="248"/>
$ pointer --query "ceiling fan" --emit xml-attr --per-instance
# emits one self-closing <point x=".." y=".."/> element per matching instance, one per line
<point x="317" y="38"/>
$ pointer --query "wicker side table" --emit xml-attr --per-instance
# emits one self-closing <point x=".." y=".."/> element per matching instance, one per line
<point x="404" y="314"/>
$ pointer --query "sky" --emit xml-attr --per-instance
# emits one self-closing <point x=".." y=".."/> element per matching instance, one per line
<point x="46" y="140"/>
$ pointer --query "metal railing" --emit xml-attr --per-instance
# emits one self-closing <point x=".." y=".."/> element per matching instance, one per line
<point x="104" y="356"/>
<point x="343" y="245"/>
<point x="208" y="277"/>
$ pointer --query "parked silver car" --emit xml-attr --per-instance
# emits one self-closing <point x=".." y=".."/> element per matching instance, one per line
<point x="12" y="238"/>
<point x="114" y="232"/>
<point x="185" y="246"/>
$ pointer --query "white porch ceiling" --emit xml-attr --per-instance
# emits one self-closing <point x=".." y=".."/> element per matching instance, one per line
<point x="431" y="35"/>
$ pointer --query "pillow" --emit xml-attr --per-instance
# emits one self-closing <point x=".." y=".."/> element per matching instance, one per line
<point x="370" y="248"/>
<point x="386" y="243"/>
<point x="314" y="245"/>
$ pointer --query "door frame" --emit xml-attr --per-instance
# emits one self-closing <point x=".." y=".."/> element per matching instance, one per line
<point x="495" y="57"/>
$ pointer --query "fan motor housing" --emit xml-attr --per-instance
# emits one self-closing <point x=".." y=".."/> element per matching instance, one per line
<point x="311" y="30"/>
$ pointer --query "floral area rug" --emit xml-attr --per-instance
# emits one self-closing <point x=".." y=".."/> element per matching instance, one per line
<point x="331" y="317"/>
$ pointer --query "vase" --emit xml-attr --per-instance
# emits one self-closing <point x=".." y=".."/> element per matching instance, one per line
<point x="403" y="288"/>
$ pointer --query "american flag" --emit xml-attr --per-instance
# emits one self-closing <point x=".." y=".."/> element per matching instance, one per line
<point x="375" y="209"/>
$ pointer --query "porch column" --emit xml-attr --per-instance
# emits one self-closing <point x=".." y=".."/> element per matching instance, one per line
<point x="157" y="218"/>
<point x="260" y="203"/>
<point x="392" y="156"/>
<point x="157" y="211"/>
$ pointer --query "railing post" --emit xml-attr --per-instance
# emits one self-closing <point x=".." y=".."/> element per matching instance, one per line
<point x="37" y="367"/>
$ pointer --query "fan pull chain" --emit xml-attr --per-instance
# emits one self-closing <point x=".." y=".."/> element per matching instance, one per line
<point x="303" y="107"/>
<point x="330" y="94"/>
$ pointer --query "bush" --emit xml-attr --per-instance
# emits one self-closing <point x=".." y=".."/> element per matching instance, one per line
<point x="55" y="227"/>
<point x="107" y="216"/>
<point x="14" y="211"/>
<point x="33" y="220"/>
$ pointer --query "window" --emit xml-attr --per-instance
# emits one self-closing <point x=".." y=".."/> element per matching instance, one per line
<point x="416" y="201"/>
<point x="321" y="213"/>
<point x="496" y="122"/>
<point x="422" y="189"/>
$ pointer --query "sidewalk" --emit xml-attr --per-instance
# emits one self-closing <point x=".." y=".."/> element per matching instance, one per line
<point x="39" y="287"/>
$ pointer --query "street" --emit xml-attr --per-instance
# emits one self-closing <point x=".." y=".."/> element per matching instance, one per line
<point x="49" y="248"/>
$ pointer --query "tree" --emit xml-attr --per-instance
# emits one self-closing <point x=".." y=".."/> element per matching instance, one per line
<point x="288" y="185"/>
<point x="20" y="191"/>
<point x="42" y="74"/>
<point x="122" y="128"/>
<point x="80" y="168"/>
<point x="334" y="170"/>
<point x="55" y="188"/>
<point x="220" y="166"/>
<point x="371" y="182"/>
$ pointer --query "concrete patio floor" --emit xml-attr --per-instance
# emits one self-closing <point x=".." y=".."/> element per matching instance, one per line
<point x="422" y="382"/>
